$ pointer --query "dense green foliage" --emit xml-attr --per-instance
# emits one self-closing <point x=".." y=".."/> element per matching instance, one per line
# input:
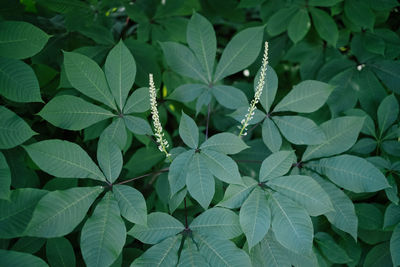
<point x="97" y="168"/>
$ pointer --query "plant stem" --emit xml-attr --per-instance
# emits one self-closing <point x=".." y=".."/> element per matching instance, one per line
<point x="144" y="175"/>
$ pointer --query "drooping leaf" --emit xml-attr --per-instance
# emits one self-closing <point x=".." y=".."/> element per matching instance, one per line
<point x="299" y="130"/>
<point x="63" y="159"/>
<point x="341" y="134"/>
<point x="188" y="131"/>
<point x="229" y="96"/>
<point x="291" y="224"/>
<point x="163" y="254"/>
<point x="199" y="181"/>
<point x="352" y="173"/>
<point x="110" y="159"/>
<point x="59" y="212"/>
<point x="271" y="135"/>
<point x="388" y="112"/>
<point x="137" y="125"/>
<point x="5" y="178"/>
<point x="330" y="249"/>
<point x="178" y="171"/>
<point x="240" y="52"/>
<point x="18" y="82"/>
<point x="159" y="226"/>
<point x="325" y="26"/>
<point x="217" y="222"/>
<point x="226" y="143"/>
<point x="15" y="258"/>
<point x="276" y="164"/>
<point x="120" y="71"/>
<point x="60" y="252"/>
<point x="190" y="255"/>
<point x="103" y="234"/>
<point x="305" y="191"/>
<point x="87" y="77"/>
<point x="73" y="113"/>
<point x="131" y="204"/>
<point x="299" y="25"/>
<point x="255" y="217"/>
<point x="138" y="101"/>
<point x="308" y="96"/>
<point x="221" y="166"/>
<point x="201" y="38"/>
<point x="19" y="39"/>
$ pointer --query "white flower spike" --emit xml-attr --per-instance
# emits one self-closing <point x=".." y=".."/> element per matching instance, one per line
<point x="257" y="95"/>
<point x="162" y="143"/>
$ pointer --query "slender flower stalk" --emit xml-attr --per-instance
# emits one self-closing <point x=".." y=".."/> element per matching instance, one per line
<point x="251" y="110"/>
<point x="162" y="143"/>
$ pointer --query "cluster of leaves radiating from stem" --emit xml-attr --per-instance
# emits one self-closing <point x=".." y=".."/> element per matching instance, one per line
<point x="249" y="116"/>
<point x="162" y="143"/>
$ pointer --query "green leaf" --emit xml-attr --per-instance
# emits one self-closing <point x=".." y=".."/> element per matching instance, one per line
<point x="19" y="39"/>
<point x="103" y="234"/>
<point x="188" y="131"/>
<point x="120" y="70"/>
<point x="163" y="254"/>
<point x="299" y="25"/>
<point x="255" y="217"/>
<point x="304" y="191"/>
<point x="217" y="222"/>
<point x="379" y="255"/>
<point x="341" y="134"/>
<point x="201" y="38"/>
<point x="16" y="212"/>
<point x="73" y="113"/>
<point x="181" y="60"/>
<point x="221" y="253"/>
<point x="199" y="181"/>
<point x="388" y="112"/>
<point x="229" y="96"/>
<point x="190" y="256"/>
<point x="359" y="13"/>
<point x="324" y="3"/>
<point x="60" y="252"/>
<point x="28" y="244"/>
<point x="370" y="217"/>
<point x="137" y="125"/>
<point x="299" y="130"/>
<point x="59" y="212"/>
<point x="389" y="72"/>
<point x="325" y="26"/>
<point x="159" y="227"/>
<point x="279" y="21"/>
<point x="330" y="249"/>
<point x="240" y="52"/>
<point x="395" y="246"/>
<point x="291" y="224"/>
<point x="131" y="203"/>
<point x="18" y="82"/>
<point x="87" y="77"/>
<point x="138" y="101"/>
<point x="14" y="130"/>
<point x="271" y="136"/>
<point x="308" y="96"/>
<point x="187" y="92"/>
<point x="343" y="216"/>
<point x="226" y="143"/>
<point x="63" y="6"/>
<point x="178" y="171"/>
<point x="392" y="215"/>
<point x="276" y="164"/>
<point x="110" y="159"/>
<point x="5" y="178"/>
<point x="14" y="258"/>
<point x="269" y="89"/>
<point x="269" y="253"/>
<point x="352" y="173"/>
<point x="63" y="159"/>
<point x="221" y="166"/>
<point x="116" y="132"/>
<point x="235" y="194"/>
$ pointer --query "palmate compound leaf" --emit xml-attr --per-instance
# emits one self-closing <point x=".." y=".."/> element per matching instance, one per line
<point x="352" y="173"/>
<point x="15" y="258"/>
<point x="276" y="164"/>
<point x="163" y="254"/>
<point x="308" y="96"/>
<point x="159" y="227"/>
<point x="304" y="191"/>
<point x="16" y="213"/>
<point x="103" y="234"/>
<point x="236" y="194"/>
<point x="291" y="224"/>
<point x="60" y="252"/>
<point x="73" y="113"/>
<point x="59" y="212"/>
<point x="14" y="130"/>
<point x="131" y="204"/>
<point x="63" y="159"/>
<point x="120" y="71"/>
<point x="341" y="134"/>
<point x="221" y="253"/>
<point x="226" y="143"/>
<point x="218" y="222"/>
<point x="188" y="131"/>
<point x="255" y="217"/>
<point x="110" y="159"/>
<point x="190" y="255"/>
<point x="221" y="166"/>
